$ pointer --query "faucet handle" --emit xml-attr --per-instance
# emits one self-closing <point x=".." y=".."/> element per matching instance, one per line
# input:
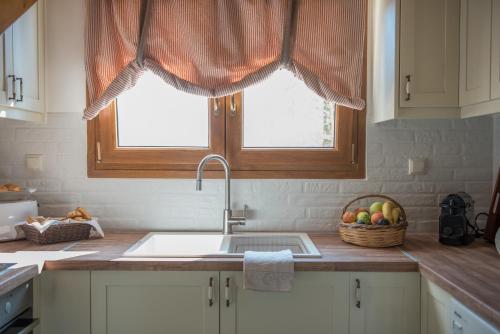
<point x="245" y="210"/>
<point x="240" y="220"/>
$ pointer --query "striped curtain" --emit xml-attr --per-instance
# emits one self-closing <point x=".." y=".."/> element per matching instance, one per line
<point x="218" y="47"/>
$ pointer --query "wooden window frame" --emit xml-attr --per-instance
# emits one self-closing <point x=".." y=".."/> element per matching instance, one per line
<point x="345" y="161"/>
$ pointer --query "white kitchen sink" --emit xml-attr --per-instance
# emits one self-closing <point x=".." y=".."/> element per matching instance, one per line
<point x="186" y="244"/>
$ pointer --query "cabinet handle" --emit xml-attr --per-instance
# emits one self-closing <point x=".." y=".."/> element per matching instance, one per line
<point x="457" y="325"/>
<point x="21" y="91"/>
<point x="13" y="80"/>
<point x="226" y="292"/>
<point x="232" y="106"/>
<point x="357" y="292"/>
<point x="407" y="87"/>
<point x="216" y="107"/>
<point x="211" y="292"/>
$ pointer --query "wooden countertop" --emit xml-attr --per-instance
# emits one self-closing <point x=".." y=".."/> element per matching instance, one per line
<point x="470" y="274"/>
<point x="106" y="254"/>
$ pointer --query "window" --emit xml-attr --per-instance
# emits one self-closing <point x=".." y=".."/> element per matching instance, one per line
<point x="276" y="129"/>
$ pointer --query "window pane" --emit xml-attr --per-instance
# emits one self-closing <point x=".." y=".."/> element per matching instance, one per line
<point x="156" y="114"/>
<point x="282" y="112"/>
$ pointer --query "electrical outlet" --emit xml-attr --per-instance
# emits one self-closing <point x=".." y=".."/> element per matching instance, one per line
<point x="416" y="166"/>
<point x="34" y="162"/>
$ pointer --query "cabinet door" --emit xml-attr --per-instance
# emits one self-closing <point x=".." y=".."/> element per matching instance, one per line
<point x="6" y="66"/>
<point x="27" y="50"/>
<point x="429" y="53"/>
<point x="317" y="304"/>
<point x="435" y="309"/>
<point x="475" y="51"/>
<point x="62" y="301"/>
<point x="495" y="50"/>
<point x="385" y="303"/>
<point x="154" y="302"/>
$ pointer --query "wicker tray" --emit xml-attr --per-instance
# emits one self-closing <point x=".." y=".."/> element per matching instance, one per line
<point x="375" y="236"/>
<point x="57" y="233"/>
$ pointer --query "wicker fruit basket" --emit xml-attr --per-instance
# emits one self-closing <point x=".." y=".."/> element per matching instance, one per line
<point x="375" y="236"/>
<point x="57" y="233"/>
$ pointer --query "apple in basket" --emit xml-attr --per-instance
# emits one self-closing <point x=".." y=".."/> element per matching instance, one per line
<point x="349" y="217"/>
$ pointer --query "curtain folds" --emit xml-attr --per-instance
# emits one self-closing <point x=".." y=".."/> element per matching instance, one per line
<point x="218" y="47"/>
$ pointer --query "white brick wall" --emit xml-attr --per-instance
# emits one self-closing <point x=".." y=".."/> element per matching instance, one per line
<point x="459" y="154"/>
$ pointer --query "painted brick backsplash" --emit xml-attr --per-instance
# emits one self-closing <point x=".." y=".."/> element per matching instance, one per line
<point x="458" y="152"/>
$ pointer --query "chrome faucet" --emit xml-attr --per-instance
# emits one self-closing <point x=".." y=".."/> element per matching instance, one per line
<point x="229" y="220"/>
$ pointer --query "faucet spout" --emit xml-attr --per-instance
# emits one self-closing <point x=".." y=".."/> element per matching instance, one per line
<point x="227" y="176"/>
<point x="228" y="220"/>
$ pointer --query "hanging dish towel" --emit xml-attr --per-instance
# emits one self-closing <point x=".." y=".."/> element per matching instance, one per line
<point x="268" y="271"/>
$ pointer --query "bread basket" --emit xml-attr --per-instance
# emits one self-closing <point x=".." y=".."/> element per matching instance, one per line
<point x="375" y="236"/>
<point x="57" y="233"/>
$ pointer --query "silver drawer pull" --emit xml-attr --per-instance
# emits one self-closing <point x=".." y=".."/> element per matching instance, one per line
<point x="21" y="94"/>
<point x="226" y="292"/>
<point x="357" y="292"/>
<point x="211" y="292"/>
<point x="457" y="326"/>
<point x="408" y="87"/>
<point x="13" y="80"/>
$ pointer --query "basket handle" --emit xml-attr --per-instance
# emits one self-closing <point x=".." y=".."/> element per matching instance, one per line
<point x="403" y="213"/>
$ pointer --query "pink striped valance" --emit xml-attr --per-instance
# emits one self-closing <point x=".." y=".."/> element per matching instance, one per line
<point x="218" y="47"/>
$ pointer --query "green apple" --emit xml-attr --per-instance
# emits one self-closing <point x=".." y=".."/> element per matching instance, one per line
<point x="376" y="207"/>
<point x="364" y="217"/>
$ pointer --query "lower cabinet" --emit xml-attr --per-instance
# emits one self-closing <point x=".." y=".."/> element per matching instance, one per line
<point x="187" y="302"/>
<point x="384" y="303"/>
<point x="442" y="314"/>
<point x="131" y="302"/>
<point x="435" y="309"/>
<point x="317" y="304"/>
<point x="62" y="302"/>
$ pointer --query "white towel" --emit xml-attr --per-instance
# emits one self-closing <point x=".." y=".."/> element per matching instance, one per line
<point x="268" y="271"/>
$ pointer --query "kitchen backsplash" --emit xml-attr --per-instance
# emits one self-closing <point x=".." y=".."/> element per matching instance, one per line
<point x="459" y="157"/>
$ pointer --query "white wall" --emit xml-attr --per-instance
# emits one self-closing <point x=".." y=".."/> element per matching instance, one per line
<point x="459" y="156"/>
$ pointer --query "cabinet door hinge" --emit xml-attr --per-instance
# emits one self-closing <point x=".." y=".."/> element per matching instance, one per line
<point x="98" y="149"/>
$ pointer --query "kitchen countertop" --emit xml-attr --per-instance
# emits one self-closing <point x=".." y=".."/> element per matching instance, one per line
<point x="470" y="274"/>
<point x="106" y="254"/>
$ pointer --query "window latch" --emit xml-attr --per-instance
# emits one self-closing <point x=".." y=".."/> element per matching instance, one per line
<point x="216" y="107"/>
<point x="232" y="106"/>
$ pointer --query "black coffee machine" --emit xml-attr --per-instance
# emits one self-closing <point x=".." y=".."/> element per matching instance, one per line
<point x="455" y="221"/>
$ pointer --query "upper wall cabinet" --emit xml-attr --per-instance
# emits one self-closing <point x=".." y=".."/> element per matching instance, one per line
<point x="429" y="42"/>
<point x="413" y="52"/>
<point x="433" y="58"/>
<point x="22" y="61"/>
<point x="495" y="50"/>
<point x="475" y="51"/>
<point x="480" y="57"/>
